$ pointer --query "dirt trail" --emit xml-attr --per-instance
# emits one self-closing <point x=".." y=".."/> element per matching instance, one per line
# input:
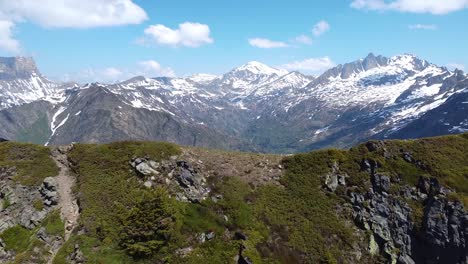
<point x="65" y="180"/>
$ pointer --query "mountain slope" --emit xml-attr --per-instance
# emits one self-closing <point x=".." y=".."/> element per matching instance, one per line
<point x="21" y="82"/>
<point x="252" y="107"/>
<point x="379" y="202"/>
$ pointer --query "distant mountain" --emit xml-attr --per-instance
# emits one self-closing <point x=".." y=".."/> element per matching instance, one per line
<point x="21" y="83"/>
<point x="254" y="107"/>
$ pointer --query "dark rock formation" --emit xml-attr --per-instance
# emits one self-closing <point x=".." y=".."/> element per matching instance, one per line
<point x="183" y="180"/>
<point x="444" y="234"/>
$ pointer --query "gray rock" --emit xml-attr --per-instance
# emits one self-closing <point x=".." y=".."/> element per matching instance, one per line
<point x="405" y="259"/>
<point x="210" y="235"/>
<point x="333" y="178"/>
<point x="145" y="169"/>
<point x="381" y="183"/>
<point x="148" y="184"/>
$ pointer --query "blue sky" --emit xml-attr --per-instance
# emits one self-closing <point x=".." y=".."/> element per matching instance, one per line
<point x="85" y="41"/>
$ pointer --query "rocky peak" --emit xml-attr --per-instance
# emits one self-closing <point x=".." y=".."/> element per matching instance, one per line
<point x="409" y="62"/>
<point x="256" y="67"/>
<point x="17" y="67"/>
<point x="371" y="61"/>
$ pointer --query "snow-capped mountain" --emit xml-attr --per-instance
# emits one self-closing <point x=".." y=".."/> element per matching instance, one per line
<point x="21" y="83"/>
<point x="252" y="107"/>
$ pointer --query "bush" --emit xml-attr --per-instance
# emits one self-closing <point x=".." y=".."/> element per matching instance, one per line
<point x="150" y="225"/>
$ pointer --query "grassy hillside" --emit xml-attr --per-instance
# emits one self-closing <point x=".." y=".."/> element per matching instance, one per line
<point x="287" y="219"/>
<point x="32" y="162"/>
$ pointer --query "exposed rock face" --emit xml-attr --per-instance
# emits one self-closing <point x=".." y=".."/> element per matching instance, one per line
<point x="17" y="202"/>
<point x="445" y="226"/>
<point x="183" y="180"/>
<point x="391" y="220"/>
<point x="16" y="67"/>
<point x="334" y="178"/>
<point x="49" y="191"/>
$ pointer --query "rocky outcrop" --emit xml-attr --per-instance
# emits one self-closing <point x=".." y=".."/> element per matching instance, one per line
<point x="48" y="191"/>
<point x="444" y="237"/>
<point x="335" y="178"/>
<point x="391" y="221"/>
<point x="17" y="201"/>
<point x="77" y="257"/>
<point x="183" y="180"/>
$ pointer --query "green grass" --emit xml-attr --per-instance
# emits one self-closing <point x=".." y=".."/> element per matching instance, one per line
<point x="17" y="238"/>
<point x="108" y="191"/>
<point x="54" y="225"/>
<point x="24" y="243"/>
<point x="32" y="162"/>
<point x="38" y="205"/>
<point x="95" y="251"/>
<point x="6" y="203"/>
<point x="296" y="222"/>
<point x="442" y="157"/>
<point x="107" y="186"/>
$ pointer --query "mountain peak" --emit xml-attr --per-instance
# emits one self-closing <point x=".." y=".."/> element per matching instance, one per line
<point x="202" y="78"/>
<point x="256" y="67"/>
<point x="409" y="61"/>
<point x="17" y="67"/>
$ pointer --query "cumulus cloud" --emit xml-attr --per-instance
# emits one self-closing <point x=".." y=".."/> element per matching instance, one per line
<point x="436" y="7"/>
<point x="423" y="27"/>
<point x="310" y="65"/>
<point x="148" y="68"/>
<point x="320" y="28"/>
<point x="72" y="13"/>
<point x="7" y="42"/>
<point x="303" y="39"/>
<point x="153" y="68"/>
<point x="187" y="35"/>
<point x="264" y="43"/>
<point x="65" y="14"/>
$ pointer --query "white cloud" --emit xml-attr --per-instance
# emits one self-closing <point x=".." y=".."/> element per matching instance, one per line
<point x="303" y="39"/>
<point x="456" y="66"/>
<point x="72" y="13"/>
<point x="112" y="73"/>
<point x="188" y="35"/>
<point x="266" y="43"/>
<point x="7" y="42"/>
<point x="423" y="27"/>
<point x="320" y="28"/>
<point x="149" y="68"/>
<point x="152" y="68"/>
<point x="311" y="65"/>
<point x="436" y="7"/>
<point x="65" y="14"/>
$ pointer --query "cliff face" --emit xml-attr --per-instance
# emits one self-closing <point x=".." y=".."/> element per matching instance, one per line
<point x="17" y="68"/>
<point x="380" y="202"/>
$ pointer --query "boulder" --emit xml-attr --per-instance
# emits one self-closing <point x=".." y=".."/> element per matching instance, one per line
<point x="381" y="183"/>
<point x="240" y="236"/>
<point x="48" y="191"/>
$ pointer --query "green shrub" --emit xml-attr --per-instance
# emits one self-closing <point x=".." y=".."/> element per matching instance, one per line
<point x="150" y="225"/>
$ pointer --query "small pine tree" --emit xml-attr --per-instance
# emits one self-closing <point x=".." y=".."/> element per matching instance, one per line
<point x="150" y="225"/>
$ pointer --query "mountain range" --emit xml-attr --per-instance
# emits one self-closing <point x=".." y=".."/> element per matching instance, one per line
<point x="254" y="107"/>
